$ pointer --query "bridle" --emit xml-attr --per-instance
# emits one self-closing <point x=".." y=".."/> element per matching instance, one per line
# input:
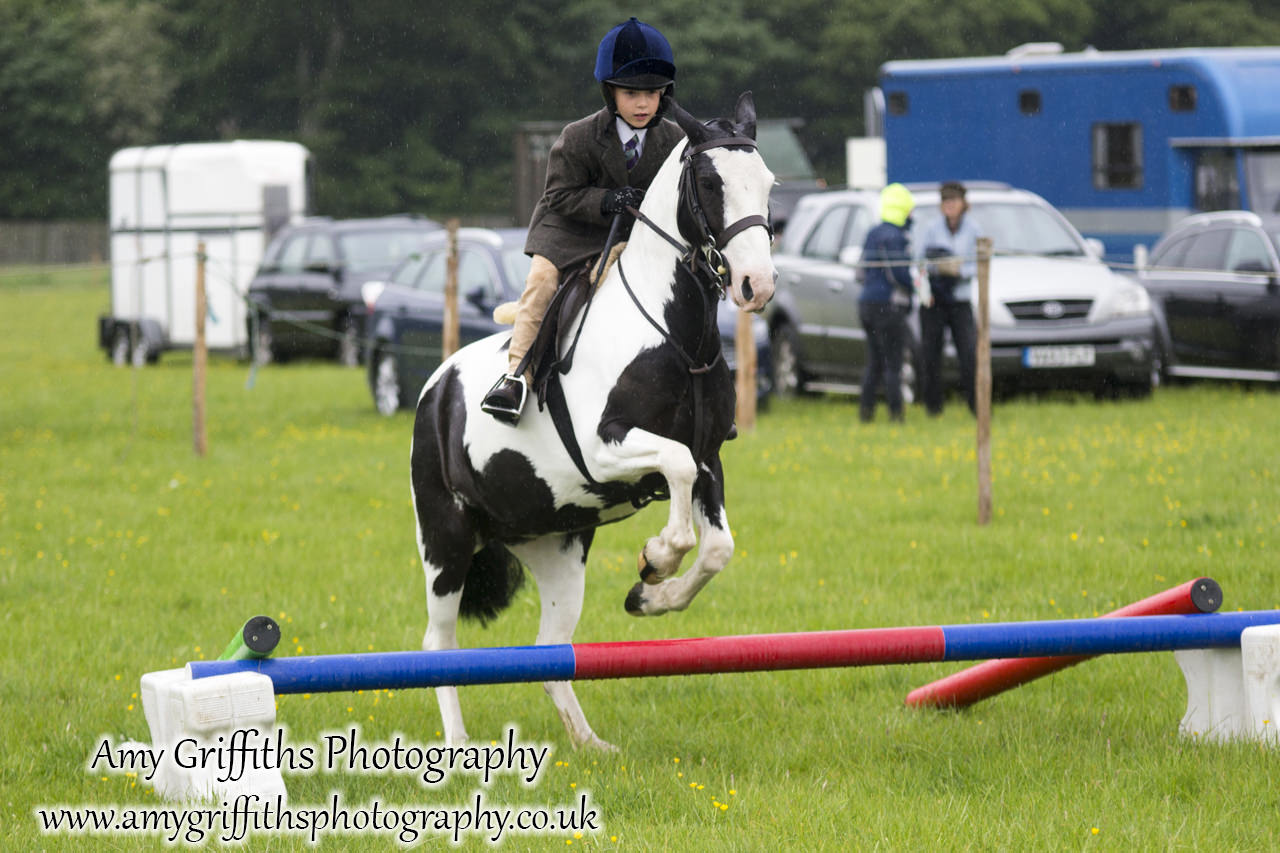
<point x="702" y="255"/>
<point x="707" y="266"/>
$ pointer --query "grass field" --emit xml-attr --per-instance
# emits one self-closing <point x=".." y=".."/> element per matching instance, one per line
<point x="122" y="552"/>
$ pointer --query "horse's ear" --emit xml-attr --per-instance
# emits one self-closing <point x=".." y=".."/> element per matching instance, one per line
<point x="697" y="132"/>
<point x="744" y="115"/>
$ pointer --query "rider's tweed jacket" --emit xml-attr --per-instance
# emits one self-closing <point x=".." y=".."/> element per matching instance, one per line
<point x="583" y="165"/>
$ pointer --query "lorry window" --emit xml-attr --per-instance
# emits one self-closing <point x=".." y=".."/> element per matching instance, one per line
<point x="899" y="104"/>
<point x="1262" y="171"/>
<point x="1182" y="99"/>
<point x="1117" y="156"/>
<point x="1029" y="102"/>
<point x="1217" y="187"/>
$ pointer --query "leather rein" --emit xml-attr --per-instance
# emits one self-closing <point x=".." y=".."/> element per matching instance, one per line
<point x="702" y="256"/>
<point x="708" y="267"/>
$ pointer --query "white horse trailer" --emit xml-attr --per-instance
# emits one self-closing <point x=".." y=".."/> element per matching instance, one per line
<point x="164" y="201"/>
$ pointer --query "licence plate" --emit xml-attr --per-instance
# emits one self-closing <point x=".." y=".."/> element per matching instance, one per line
<point x="1073" y="355"/>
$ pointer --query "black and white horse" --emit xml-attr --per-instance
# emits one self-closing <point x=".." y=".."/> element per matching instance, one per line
<point x="650" y="401"/>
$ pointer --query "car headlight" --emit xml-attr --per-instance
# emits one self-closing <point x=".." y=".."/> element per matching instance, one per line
<point x="1128" y="300"/>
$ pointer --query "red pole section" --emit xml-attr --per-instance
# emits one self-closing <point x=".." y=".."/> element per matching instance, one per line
<point x="1202" y="595"/>
<point x="756" y="652"/>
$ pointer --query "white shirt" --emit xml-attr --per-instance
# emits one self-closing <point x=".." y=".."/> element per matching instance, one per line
<point x="626" y="131"/>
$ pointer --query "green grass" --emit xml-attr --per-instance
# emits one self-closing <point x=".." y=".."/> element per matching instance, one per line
<point x="122" y="552"/>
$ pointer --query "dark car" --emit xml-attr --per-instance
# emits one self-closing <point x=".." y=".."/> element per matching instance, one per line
<point x="1059" y="317"/>
<point x="305" y="297"/>
<point x="406" y="311"/>
<point x="1214" y="281"/>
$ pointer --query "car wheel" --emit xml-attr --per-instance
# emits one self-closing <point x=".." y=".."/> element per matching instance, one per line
<point x="262" y="341"/>
<point x="788" y="375"/>
<point x="348" y="343"/>
<point x="386" y="385"/>
<point x="119" y="352"/>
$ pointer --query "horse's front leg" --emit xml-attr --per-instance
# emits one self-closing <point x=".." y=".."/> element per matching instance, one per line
<point x="639" y="453"/>
<point x="714" y="550"/>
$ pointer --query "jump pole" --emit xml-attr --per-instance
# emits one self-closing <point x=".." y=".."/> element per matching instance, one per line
<point x="964" y="688"/>
<point x="749" y="653"/>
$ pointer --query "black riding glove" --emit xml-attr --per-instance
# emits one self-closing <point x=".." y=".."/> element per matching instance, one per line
<point x="617" y="201"/>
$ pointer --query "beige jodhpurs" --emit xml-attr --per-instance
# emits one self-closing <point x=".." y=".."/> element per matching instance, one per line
<point x="539" y="288"/>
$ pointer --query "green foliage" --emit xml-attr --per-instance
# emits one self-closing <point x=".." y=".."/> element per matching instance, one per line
<point x="414" y="107"/>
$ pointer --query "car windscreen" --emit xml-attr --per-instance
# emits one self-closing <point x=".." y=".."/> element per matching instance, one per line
<point x="1014" y="228"/>
<point x="365" y="251"/>
<point x="407" y="273"/>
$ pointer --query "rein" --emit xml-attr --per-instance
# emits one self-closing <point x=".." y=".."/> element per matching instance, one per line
<point x="707" y="267"/>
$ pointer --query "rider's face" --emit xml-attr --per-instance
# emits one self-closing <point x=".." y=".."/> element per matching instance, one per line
<point x="636" y="106"/>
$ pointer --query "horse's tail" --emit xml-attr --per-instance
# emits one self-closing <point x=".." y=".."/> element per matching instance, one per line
<point x="492" y="582"/>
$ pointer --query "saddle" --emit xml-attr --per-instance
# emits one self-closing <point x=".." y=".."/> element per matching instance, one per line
<point x="547" y="356"/>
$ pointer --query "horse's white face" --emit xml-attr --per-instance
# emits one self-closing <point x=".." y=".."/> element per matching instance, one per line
<point x="746" y="193"/>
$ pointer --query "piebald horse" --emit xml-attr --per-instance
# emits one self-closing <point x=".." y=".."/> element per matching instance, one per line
<point x="650" y="402"/>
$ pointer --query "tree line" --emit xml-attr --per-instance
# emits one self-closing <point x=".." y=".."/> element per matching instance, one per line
<point x="413" y="106"/>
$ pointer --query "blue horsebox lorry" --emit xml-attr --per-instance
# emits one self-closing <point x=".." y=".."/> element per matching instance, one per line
<point x="1124" y="143"/>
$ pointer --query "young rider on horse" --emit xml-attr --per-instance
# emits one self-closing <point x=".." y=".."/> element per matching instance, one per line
<point x="599" y="166"/>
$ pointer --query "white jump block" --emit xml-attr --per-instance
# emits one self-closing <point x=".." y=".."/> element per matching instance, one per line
<point x="1260" y="653"/>
<point x="187" y="714"/>
<point x="1215" y="694"/>
<point x="1234" y="694"/>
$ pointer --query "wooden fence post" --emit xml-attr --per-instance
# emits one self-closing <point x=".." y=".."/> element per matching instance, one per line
<point x="744" y="343"/>
<point x="200" y="359"/>
<point x="982" y="382"/>
<point x="450" y="331"/>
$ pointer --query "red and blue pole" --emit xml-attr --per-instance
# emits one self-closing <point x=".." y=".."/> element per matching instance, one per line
<point x="1202" y="595"/>
<point x="749" y="653"/>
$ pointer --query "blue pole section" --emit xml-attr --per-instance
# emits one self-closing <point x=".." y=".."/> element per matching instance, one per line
<point x="399" y="670"/>
<point x="1101" y="636"/>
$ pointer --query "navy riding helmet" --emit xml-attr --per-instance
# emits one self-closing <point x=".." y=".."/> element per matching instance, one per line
<point x="634" y="55"/>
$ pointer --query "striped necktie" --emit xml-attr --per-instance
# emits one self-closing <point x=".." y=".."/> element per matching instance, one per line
<point x="632" y="149"/>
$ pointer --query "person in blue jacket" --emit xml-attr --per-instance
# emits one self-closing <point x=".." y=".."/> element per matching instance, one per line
<point x="885" y="301"/>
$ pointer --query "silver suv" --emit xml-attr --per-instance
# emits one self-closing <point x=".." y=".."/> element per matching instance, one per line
<point x="1059" y="317"/>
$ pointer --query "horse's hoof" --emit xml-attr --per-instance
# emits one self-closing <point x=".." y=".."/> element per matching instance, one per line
<point x="635" y="600"/>
<point x="648" y="573"/>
